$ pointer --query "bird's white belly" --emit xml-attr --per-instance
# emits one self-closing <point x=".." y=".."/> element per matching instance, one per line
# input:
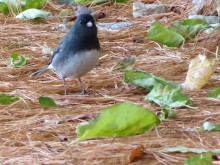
<point x="77" y="65"/>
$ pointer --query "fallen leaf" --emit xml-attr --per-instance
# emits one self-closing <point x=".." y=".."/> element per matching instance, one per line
<point x="168" y="97"/>
<point x="119" y="120"/>
<point x="184" y="149"/>
<point x="33" y="14"/>
<point x="215" y="93"/>
<point x="189" y="28"/>
<point x="135" y="153"/>
<point x="200" y="159"/>
<point x="208" y="126"/>
<point x="142" y="79"/>
<point x="199" y="72"/>
<point x="46" y="102"/>
<point x="165" y="114"/>
<point x="7" y="99"/>
<point x="161" y="34"/>
<point x="17" y="60"/>
<point x="124" y="63"/>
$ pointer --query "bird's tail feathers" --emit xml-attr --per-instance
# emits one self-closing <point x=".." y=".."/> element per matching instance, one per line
<point x="39" y="72"/>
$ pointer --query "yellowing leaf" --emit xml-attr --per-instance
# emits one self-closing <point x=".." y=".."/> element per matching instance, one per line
<point x="200" y="70"/>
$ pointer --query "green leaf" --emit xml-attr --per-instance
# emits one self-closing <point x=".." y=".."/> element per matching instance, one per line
<point x="184" y="149"/>
<point x="33" y="14"/>
<point x="119" y="120"/>
<point x="17" y="60"/>
<point x="18" y="5"/>
<point x="122" y="1"/>
<point x="15" y="5"/>
<point x="168" y="96"/>
<point x="124" y="63"/>
<point x="215" y="93"/>
<point x="189" y="28"/>
<point x="194" y="22"/>
<point x="207" y="126"/>
<point x="165" y="114"/>
<point x="46" y="102"/>
<point x="142" y="79"/>
<point x="3" y="7"/>
<point x="34" y="4"/>
<point x="200" y="159"/>
<point x="7" y="99"/>
<point x="161" y="34"/>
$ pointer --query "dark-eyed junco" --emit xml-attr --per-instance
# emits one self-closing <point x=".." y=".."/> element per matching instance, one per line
<point x="77" y="53"/>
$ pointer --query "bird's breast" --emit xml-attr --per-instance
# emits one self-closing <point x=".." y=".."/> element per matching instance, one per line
<point x="76" y="65"/>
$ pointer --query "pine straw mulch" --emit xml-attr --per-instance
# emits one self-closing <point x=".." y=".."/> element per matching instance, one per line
<point x="31" y="135"/>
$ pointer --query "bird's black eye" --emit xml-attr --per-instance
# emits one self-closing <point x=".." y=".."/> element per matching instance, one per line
<point x="81" y="21"/>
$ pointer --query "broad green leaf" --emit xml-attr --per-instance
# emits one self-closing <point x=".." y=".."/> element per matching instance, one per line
<point x="207" y="126"/>
<point x="7" y="99"/>
<point x="184" y="149"/>
<point x="168" y="96"/>
<point x="3" y="7"/>
<point x="200" y="159"/>
<point x="124" y="63"/>
<point x="34" y="4"/>
<point x="163" y="35"/>
<point x="142" y="79"/>
<point x="46" y="102"/>
<point x="189" y="28"/>
<point x="17" y="60"/>
<point x="119" y="120"/>
<point x="215" y="93"/>
<point x="18" y="5"/>
<point x="194" y="22"/>
<point x="15" y="5"/>
<point x="165" y="114"/>
<point x="33" y="14"/>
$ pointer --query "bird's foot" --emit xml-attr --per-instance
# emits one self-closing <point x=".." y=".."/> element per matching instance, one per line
<point x="83" y="92"/>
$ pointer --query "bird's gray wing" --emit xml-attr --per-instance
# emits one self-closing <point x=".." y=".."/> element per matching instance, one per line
<point x="56" y="50"/>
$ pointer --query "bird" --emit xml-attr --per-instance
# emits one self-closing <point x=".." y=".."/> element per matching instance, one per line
<point x="77" y="53"/>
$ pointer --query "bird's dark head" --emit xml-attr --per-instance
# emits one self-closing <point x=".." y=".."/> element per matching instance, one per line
<point x="85" y="26"/>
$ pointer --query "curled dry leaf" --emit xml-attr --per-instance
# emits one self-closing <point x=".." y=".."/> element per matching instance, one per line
<point x="200" y="70"/>
<point x="135" y="153"/>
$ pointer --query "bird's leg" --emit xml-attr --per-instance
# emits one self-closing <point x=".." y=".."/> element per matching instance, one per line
<point x="82" y="85"/>
<point x="64" y="85"/>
